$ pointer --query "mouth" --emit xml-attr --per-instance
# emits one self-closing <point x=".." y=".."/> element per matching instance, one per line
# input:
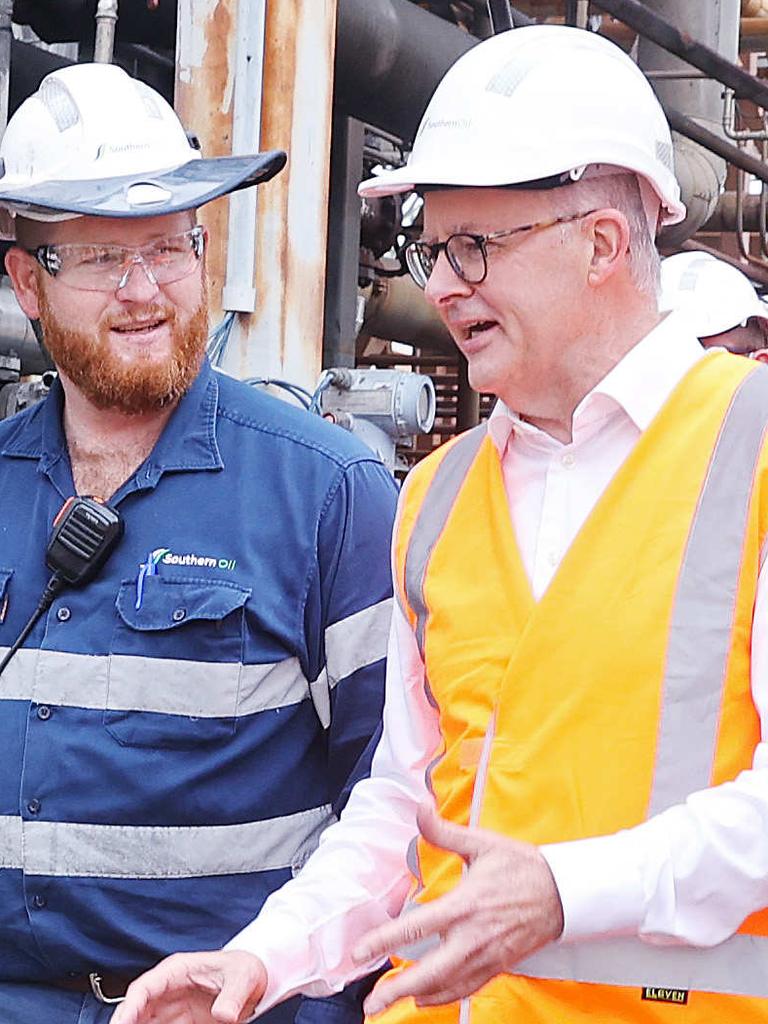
<point x="474" y="331"/>
<point x="139" y="330"/>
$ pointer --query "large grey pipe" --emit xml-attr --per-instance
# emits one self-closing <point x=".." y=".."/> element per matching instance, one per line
<point x="701" y="174"/>
<point x="390" y="55"/>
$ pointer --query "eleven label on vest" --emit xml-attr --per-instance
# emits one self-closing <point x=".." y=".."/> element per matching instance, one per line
<point x="665" y="995"/>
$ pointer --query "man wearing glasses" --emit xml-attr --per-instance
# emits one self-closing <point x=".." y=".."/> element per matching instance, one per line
<point x="178" y="732"/>
<point x="579" y="664"/>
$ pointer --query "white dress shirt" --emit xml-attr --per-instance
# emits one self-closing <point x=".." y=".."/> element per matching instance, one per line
<point x="688" y="875"/>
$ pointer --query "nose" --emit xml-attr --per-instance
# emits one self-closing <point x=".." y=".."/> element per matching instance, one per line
<point x="137" y="283"/>
<point x="444" y="284"/>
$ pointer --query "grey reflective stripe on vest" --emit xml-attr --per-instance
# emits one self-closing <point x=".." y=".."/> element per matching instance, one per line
<point x="736" y="967"/>
<point x="432" y="516"/>
<point x="70" y="849"/>
<point x="702" y="616"/>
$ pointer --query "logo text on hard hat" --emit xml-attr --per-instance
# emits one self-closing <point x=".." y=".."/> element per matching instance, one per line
<point x="110" y="148"/>
<point x="453" y="123"/>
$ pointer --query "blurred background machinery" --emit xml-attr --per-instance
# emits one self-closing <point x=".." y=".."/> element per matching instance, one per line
<point x="305" y="276"/>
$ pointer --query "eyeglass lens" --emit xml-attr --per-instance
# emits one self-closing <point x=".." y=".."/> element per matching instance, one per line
<point x="463" y="252"/>
<point x="105" y="267"/>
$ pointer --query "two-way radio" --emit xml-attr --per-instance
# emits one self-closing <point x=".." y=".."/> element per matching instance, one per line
<point x="85" y="531"/>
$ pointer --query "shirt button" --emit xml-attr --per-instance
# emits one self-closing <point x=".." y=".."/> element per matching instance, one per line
<point x="44" y="712"/>
<point x="34" y="806"/>
<point x="568" y="460"/>
<point x="179" y="614"/>
<point x="552" y="558"/>
<point x="63" y="614"/>
<point x="39" y="901"/>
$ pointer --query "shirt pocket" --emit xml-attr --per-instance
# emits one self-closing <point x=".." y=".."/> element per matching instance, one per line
<point x="175" y="663"/>
<point x="5" y="579"/>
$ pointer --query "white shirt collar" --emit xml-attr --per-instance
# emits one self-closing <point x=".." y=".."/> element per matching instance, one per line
<point x="638" y="385"/>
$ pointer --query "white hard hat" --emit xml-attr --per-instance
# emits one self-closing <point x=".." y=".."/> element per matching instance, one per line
<point x="714" y="295"/>
<point x="92" y="140"/>
<point x="534" y="107"/>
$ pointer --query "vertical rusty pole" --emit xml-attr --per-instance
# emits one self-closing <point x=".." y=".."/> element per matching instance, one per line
<point x="283" y="337"/>
<point x="285" y="333"/>
<point x="205" y="58"/>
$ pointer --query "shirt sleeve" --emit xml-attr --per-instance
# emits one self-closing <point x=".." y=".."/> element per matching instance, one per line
<point x="358" y="877"/>
<point x="691" y="874"/>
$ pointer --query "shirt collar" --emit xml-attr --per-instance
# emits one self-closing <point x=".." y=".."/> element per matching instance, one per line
<point x="638" y="385"/>
<point x="188" y="441"/>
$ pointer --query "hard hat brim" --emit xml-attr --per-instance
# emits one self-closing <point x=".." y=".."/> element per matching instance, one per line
<point x="171" y="191"/>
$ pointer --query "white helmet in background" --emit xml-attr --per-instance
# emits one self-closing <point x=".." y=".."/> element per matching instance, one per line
<point x="94" y="141"/>
<point x="714" y="295"/>
<point x="536" y="107"/>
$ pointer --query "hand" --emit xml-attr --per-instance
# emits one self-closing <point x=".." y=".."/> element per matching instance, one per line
<point x="505" y="907"/>
<point x="195" y="988"/>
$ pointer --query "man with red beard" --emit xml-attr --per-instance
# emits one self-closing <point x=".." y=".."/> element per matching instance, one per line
<point x="178" y="732"/>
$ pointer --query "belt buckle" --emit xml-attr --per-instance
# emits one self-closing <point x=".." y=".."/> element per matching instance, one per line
<point x="95" y="979"/>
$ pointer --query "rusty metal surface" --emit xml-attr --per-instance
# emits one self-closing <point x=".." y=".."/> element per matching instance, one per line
<point x="284" y="335"/>
<point x="205" y="51"/>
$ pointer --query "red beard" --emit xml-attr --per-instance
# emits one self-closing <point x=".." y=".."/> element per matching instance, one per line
<point x="138" y="387"/>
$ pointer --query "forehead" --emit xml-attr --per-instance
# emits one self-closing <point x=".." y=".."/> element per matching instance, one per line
<point x="482" y="209"/>
<point x="118" y="230"/>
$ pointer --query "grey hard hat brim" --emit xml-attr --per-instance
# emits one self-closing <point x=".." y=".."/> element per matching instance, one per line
<point x="155" y="194"/>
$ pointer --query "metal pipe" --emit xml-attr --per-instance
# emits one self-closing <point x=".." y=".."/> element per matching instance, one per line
<point x="685" y="126"/>
<point x="500" y="15"/>
<point x="6" y="16"/>
<point x="398" y="311"/>
<point x="16" y="334"/>
<point x="725" y="216"/>
<point x="106" y="25"/>
<point x="582" y="13"/>
<point x="700" y="172"/>
<point x="659" y="31"/>
<point x="390" y="55"/>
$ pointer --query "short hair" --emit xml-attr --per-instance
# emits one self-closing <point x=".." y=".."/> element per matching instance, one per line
<point x="621" y="192"/>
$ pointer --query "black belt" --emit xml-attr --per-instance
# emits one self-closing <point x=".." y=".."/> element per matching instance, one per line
<point x="107" y="988"/>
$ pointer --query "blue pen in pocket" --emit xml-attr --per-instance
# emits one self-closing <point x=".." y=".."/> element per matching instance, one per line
<point x="146" y="568"/>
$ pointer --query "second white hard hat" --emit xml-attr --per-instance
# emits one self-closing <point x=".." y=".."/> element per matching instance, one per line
<point x="93" y="140"/>
<point x="714" y="295"/>
<point x="534" y="107"/>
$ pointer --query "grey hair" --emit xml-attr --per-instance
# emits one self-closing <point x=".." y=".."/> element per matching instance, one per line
<point x="619" y="192"/>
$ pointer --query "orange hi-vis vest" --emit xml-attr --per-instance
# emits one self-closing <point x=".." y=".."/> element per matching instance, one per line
<point x="625" y="688"/>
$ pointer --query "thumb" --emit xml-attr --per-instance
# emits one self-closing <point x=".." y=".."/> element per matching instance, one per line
<point x="240" y="992"/>
<point x="466" y="842"/>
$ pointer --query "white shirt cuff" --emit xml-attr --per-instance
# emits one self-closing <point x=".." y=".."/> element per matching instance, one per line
<point x="600" y="883"/>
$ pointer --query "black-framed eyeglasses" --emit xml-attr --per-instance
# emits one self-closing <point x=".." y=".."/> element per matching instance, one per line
<point x="92" y="267"/>
<point x="466" y="252"/>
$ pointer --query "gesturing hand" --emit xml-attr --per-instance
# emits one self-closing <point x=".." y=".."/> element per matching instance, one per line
<point x="506" y="907"/>
<point x="195" y="988"/>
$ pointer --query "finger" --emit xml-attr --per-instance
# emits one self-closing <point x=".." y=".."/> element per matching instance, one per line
<point x="410" y="929"/>
<point x="456" y="992"/>
<point x="468" y="843"/>
<point x="447" y="967"/>
<point x="243" y="985"/>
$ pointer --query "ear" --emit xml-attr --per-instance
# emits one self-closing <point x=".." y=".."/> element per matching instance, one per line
<point x="761" y="355"/>
<point x="22" y="270"/>
<point x="609" y="233"/>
